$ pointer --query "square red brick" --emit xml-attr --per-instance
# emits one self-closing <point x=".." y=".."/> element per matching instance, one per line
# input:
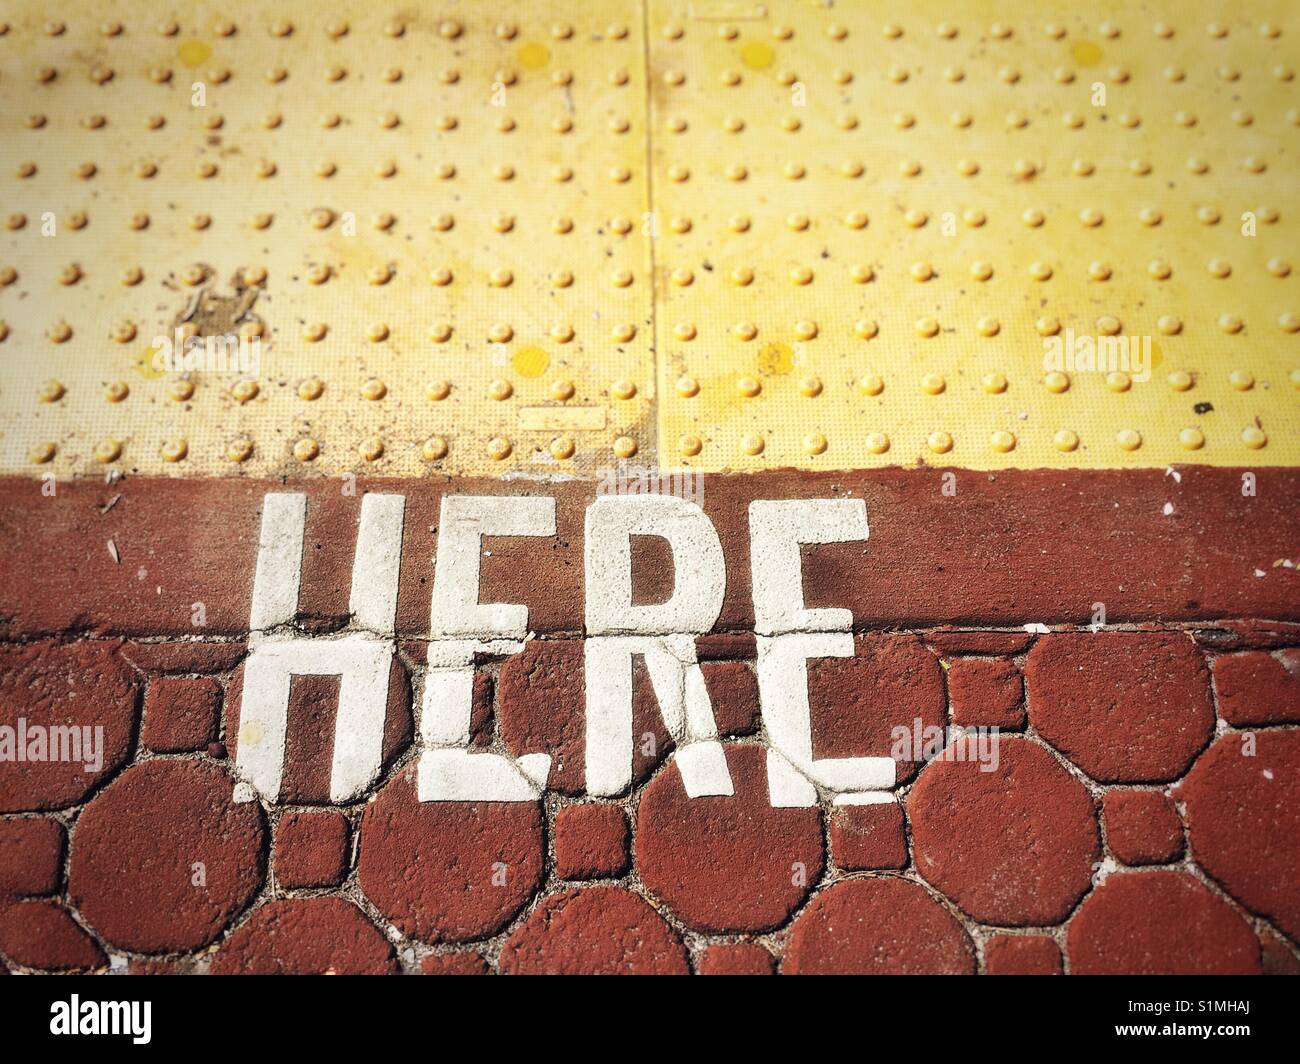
<point x="311" y="849"/>
<point x="181" y="714"/>
<point x="986" y="693"/>
<point x="736" y="958"/>
<point x="31" y="856"/>
<point x="868" y="836"/>
<point x="733" y="690"/>
<point x="1258" y="688"/>
<point x="465" y="963"/>
<point x="1022" y="955"/>
<point x="1142" y="827"/>
<point x="590" y="841"/>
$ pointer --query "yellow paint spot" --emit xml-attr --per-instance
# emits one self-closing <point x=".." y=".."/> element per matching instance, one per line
<point x="533" y="55"/>
<point x="1086" y="53"/>
<point x="530" y="362"/>
<point x="757" y="55"/>
<point x="775" y="359"/>
<point x="192" y="53"/>
<point x="1157" y="355"/>
<point x="146" y="366"/>
<point x="252" y="733"/>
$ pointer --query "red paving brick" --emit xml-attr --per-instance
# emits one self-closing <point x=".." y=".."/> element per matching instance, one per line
<point x="597" y="931"/>
<point x="42" y="934"/>
<point x="736" y="958"/>
<point x="311" y="849"/>
<point x="591" y="841"/>
<point x="1125" y="707"/>
<point x="59" y="685"/>
<point x="1014" y="846"/>
<point x="693" y="852"/>
<point x="313" y="707"/>
<point x="1209" y="551"/>
<point x="1276" y="955"/>
<point x="163" y="858"/>
<point x="162" y="854"/>
<point x="1243" y="820"/>
<point x="734" y="691"/>
<point x="891" y="682"/>
<point x="1022" y="955"/>
<point x="1258" y="688"/>
<point x="1160" y="923"/>
<point x="1142" y="827"/>
<point x="448" y="871"/>
<point x="986" y="693"/>
<point x="882" y="926"/>
<point x="181" y="714"/>
<point x="540" y="710"/>
<point x="868" y="837"/>
<point x="305" y="936"/>
<point x="184" y="656"/>
<point x="454" y="964"/>
<point x="31" y="856"/>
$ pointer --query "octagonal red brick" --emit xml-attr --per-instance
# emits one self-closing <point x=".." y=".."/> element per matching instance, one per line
<point x="594" y="931"/>
<point x="448" y="871"/>
<point x="1013" y="847"/>
<point x="164" y="857"/>
<point x="1243" y="820"/>
<point x="305" y="936"/>
<point x="878" y="926"/>
<point x="64" y="685"/>
<point x="1126" y="707"/>
<point x="692" y="852"/>
<point x="1159" y="923"/>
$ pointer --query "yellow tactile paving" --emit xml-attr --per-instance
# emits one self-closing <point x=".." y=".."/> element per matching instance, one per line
<point x="534" y="237"/>
<point x="440" y="207"/>
<point x="869" y="226"/>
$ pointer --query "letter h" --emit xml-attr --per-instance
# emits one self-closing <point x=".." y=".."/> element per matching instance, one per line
<point x="362" y="657"/>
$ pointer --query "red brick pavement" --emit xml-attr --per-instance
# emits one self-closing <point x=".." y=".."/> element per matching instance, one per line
<point x="1143" y="813"/>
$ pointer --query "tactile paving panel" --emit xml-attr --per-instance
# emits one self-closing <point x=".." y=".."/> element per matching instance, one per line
<point x="727" y="235"/>
<point x="439" y="209"/>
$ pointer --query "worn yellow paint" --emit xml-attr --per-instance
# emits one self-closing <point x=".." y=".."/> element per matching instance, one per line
<point x="530" y="362"/>
<point x="775" y="359"/>
<point x="534" y="55"/>
<point x="853" y="234"/>
<point x="563" y="418"/>
<point x="1085" y="53"/>
<point x="193" y="52"/>
<point x="146" y="364"/>
<point x="757" y="55"/>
